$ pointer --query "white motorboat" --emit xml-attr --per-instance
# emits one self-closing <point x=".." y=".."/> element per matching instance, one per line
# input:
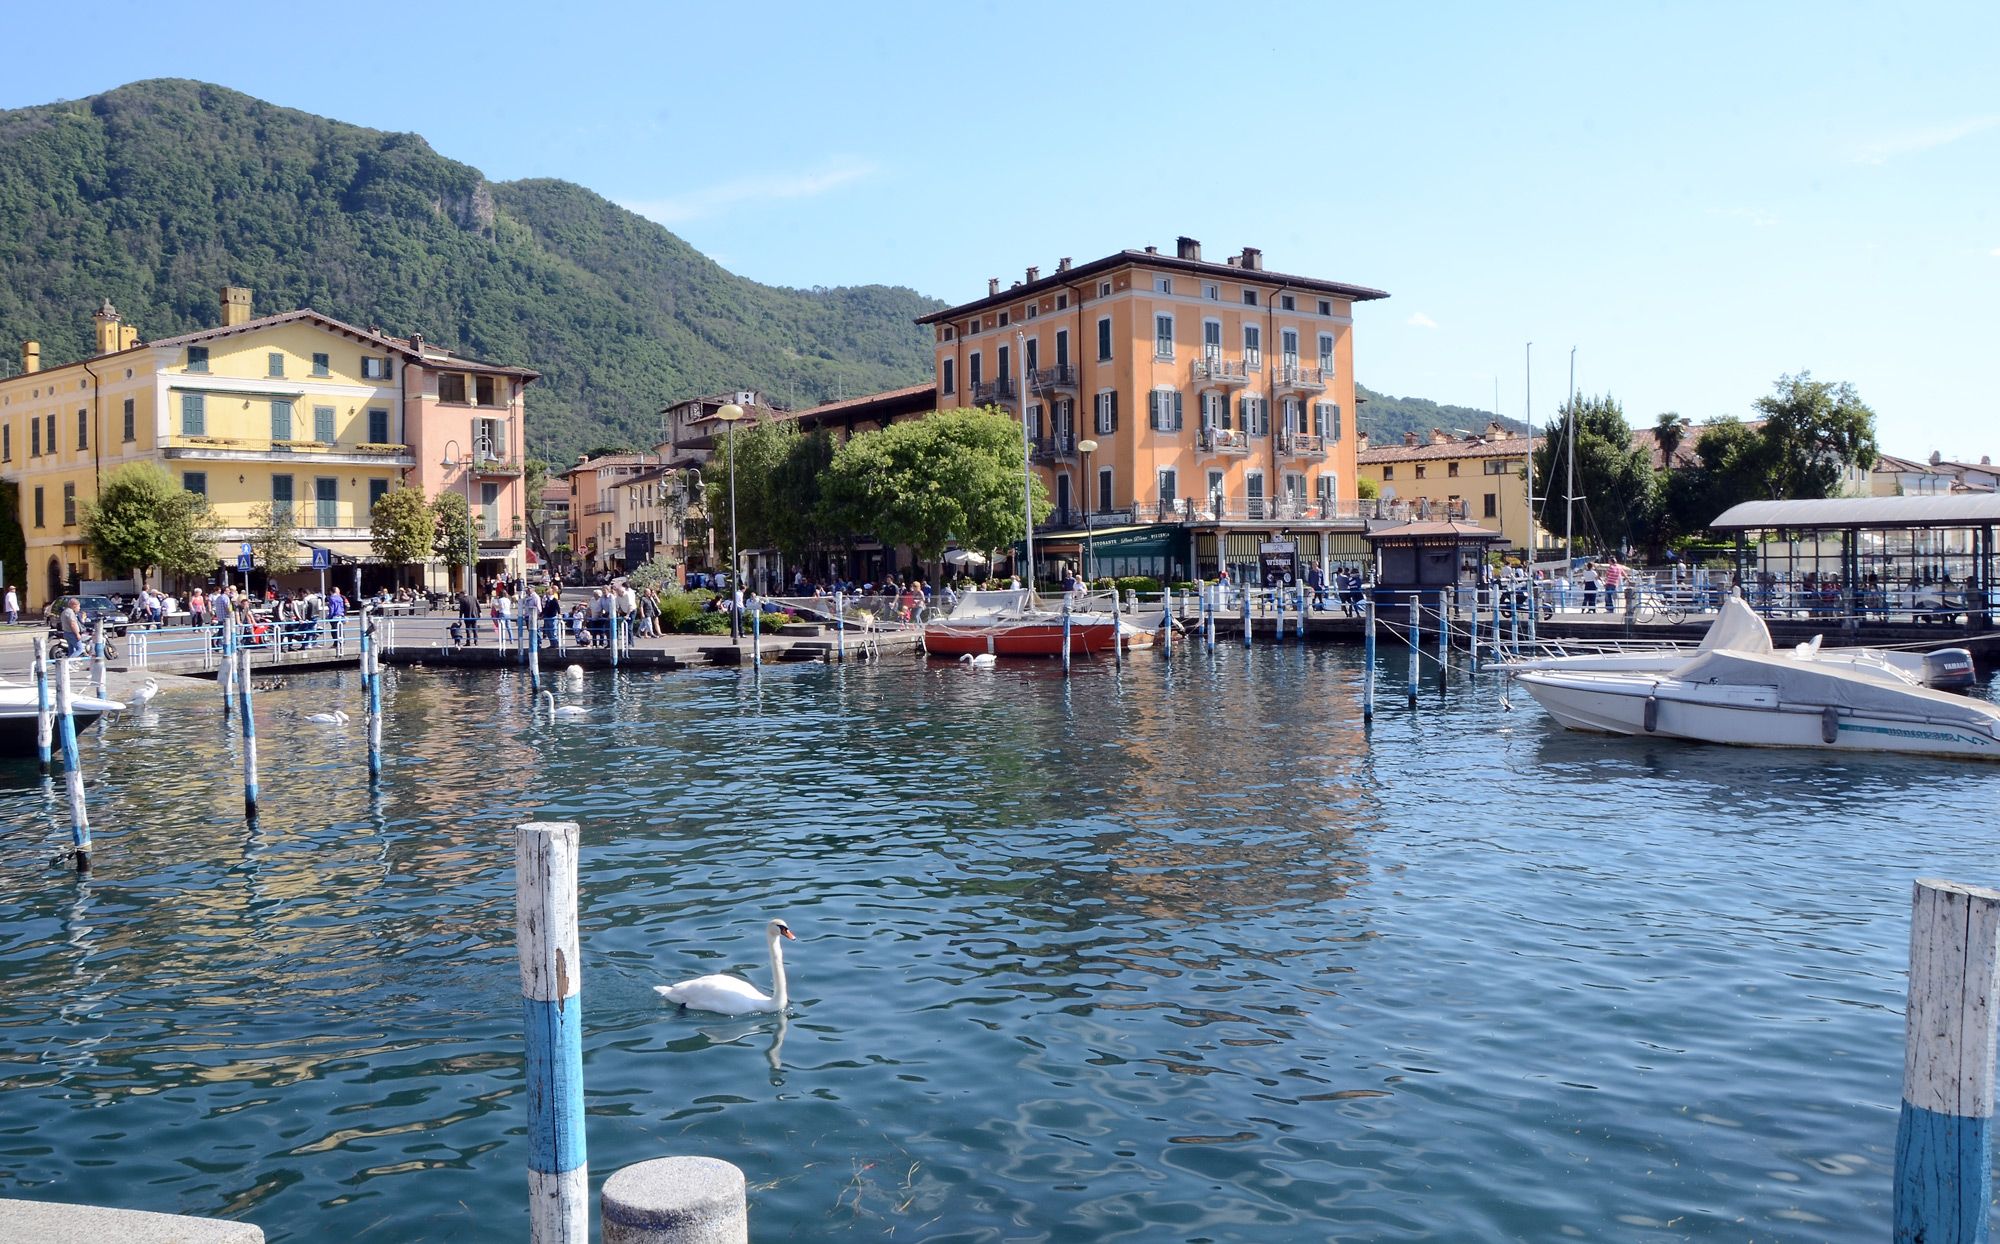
<point x="18" y="709"/>
<point x="1738" y="629"/>
<point x="1766" y="700"/>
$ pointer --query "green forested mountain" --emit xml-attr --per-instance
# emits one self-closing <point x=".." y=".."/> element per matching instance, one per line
<point x="1386" y="418"/>
<point x="156" y="194"/>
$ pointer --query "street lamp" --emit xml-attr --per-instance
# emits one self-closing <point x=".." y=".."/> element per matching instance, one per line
<point x="731" y="414"/>
<point x="1087" y="448"/>
<point x="450" y="462"/>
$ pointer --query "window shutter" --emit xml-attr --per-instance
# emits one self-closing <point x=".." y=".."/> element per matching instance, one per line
<point x="1177" y="410"/>
<point x="1333" y="419"/>
<point x="1114" y="410"/>
<point x="1153" y="410"/>
<point x="1243" y="411"/>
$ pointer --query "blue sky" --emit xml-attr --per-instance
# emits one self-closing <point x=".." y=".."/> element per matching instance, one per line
<point x="1698" y="197"/>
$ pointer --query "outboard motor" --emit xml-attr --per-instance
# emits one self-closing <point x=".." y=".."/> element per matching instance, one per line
<point x="1949" y="669"/>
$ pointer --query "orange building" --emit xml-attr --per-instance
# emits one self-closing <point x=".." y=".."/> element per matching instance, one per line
<point x="1219" y="398"/>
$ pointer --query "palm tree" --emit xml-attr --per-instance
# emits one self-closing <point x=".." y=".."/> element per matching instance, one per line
<point x="1669" y="431"/>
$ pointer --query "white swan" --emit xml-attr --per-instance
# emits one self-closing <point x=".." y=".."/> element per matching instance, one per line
<point x="143" y="694"/>
<point x="562" y="711"/>
<point x="980" y="660"/>
<point x="573" y="673"/>
<point x="334" y="718"/>
<point x="732" y="995"/>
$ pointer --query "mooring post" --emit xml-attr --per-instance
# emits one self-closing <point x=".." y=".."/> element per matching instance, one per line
<point x="1534" y="612"/>
<point x="100" y="664"/>
<point x="676" y="1201"/>
<point x="79" y="815"/>
<point x="371" y="688"/>
<point x="1118" y="604"/>
<point x="1444" y="628"/>
<point x="1214" y="602"/>
<point x="545" y="865"/>
<point x="1416" y="653"/>
<point x="44" y="717"/>
<point x="1368" y="661"/>
<point x="840" y="626"/>
<point x="249" y="733"/>
<point x="1065" y="617"/>
<point x="535" y="658"/>
<point x="1246" y="616"/>
<point x="756" y="633"/>
<point x="1278" y="615"/>
<point x="1514" y="620"/>
<point x="1303" y="600"/>
<point x="225" y="674"/>
<point x="1944" y="1136"/>
<point x="612" y="617"/>
<point x="1167" y="623"/>
<point x="1474" y="611"/>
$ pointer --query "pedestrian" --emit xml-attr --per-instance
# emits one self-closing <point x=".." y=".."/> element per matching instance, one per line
<point x="649" y="614"/>
<point x="336" y="610"/>
<point x="13" y="606"/>
<point x="503" y="607"/>
<point x="468" y="616"/>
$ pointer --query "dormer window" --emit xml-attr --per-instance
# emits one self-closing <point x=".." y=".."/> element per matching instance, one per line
<point x="374" y="367"/>
<point x="197" y="358"/>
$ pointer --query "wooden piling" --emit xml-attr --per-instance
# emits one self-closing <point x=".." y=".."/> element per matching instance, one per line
<point x="1245" y="594"/>
<point x="79" y="815"/>
<point x="1167" y="623"/>
<point x="1416" y="652"/>
<point x="44" y="714"/>
<point x="1065" y="620"/>
<point x="249" y="732"/>
<point x="840" y="626"/>
<point x="1368" y="661"/>
<point x="545" y="935"/>
<point x="371" y="690"/>
<point x="1944" y="1140"/>
<point x="100" y="664"/>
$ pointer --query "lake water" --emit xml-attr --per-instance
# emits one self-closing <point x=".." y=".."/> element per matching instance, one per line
<point x="1177" y="954"/>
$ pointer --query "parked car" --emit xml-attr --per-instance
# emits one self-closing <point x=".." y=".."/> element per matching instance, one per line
<point x="94" y="608"/>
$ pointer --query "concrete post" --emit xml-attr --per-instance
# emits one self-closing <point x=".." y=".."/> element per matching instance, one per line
<point x="545" y="906"/>
<point x="676" y="1201"/>
<point x="1944" y="1141"/>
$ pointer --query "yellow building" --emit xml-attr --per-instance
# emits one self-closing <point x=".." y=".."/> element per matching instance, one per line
<point x="1219" y="396"/>
<point x="1481" y="478"/>
<point x="297" y="411"/>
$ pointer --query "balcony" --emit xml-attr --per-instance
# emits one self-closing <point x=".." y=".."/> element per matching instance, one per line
<point x="265" y="449"/>
<point x="1301" y="445"/>
<point x="1058" y="379"/>
<point x="1213" y="369"/>
<point x="1292" y="376"/>
<point x="1224" y="441"/>
<point x="495" y="466"/>
<point x="995" y="392"/>
<point x="1058" y="448"/>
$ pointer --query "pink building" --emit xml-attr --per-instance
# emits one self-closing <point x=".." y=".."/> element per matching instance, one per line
<point x="464" y="421"/>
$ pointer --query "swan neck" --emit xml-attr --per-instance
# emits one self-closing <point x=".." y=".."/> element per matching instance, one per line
<point x="778" y="993"/>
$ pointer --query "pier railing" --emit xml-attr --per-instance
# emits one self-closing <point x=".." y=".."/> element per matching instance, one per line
<point x="269" y="642"/>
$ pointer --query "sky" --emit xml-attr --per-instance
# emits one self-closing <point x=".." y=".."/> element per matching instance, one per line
<point x="1695" y="198"/>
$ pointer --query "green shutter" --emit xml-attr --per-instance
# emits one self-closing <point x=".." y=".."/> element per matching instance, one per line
<point x="1177" y="410"/>
<point x="281" y="419"/>
<point x="1153" y="409"/>
<point x="323" y="423"/>
<point x="194" y="415"/>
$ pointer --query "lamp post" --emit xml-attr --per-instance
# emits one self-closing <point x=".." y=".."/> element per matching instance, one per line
<point x="731" y="414"/>
<point x="1087" y="448"/>
<point x="472" y="542"/>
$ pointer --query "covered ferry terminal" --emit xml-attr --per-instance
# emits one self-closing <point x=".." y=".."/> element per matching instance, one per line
<point x="1925" y="560"/>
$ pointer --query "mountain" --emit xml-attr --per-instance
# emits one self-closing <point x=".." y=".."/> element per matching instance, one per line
<point x="155" y="195"/>
<point x="1386" y="418"/>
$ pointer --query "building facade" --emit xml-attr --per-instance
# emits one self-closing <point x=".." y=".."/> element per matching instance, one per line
<point x="1191" y="409"/>
<point x="298" y="412"/>
<point x="1481" y="478"/>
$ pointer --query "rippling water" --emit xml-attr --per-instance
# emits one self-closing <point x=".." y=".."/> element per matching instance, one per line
<point x="1182" y="954"/>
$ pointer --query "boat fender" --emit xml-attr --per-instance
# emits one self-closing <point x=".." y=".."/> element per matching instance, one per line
<point x="1829" y="724"/>
<point x="1652" y="713"/>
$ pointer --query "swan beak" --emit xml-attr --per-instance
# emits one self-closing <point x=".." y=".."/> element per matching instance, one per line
<point x="789" y="935"/>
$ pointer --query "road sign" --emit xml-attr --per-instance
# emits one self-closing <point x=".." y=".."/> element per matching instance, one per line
<point x="244" y="560"/>
<point x="322" y="559"/>
<point x="244" y="549"/>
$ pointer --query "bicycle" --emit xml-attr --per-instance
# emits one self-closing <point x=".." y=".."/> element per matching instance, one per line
<point x="1654" y="605"/>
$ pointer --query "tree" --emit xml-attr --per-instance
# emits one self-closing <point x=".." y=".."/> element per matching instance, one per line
<point x="1614" y="479"/>
<point x="274" y="537"/>
<point x="758" y="452"/>
<point x="952" y="475"/>
<point x="143" y="519"/>
<point x="403" y="528"/>
<point x="454" y="541"/>
<point x="1814" y="430"/>
<point x="1367" y="489"/>
<point x="1669" y="433"/>
<point x="798" y="494"/>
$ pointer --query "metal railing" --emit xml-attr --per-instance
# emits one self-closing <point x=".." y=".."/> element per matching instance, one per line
<point x="1060" y="376"/>
<point x="282" y="448"/>
<point x="1060" y="446"/>
<point x="1224" y="440"/>
<point x="987" y="392"/>
<point x="1291" y="374"/>
<point x="1302" y="445"/>
<point x="1214" y="369"/>
<point x="270" y="643"/>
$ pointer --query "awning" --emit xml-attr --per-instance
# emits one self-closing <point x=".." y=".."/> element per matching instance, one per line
<point x="1147" y="540"/>
<point x="345" y="552"/>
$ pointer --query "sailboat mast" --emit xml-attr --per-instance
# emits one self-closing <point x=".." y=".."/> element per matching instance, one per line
<point x="1529" y="403"/>
<point x="1027" y="455"/>
<point x="1569" y="492"/>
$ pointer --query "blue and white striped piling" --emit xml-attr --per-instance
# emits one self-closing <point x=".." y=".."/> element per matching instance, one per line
<point x="249" y="733"/>
<point x="225" y="674"/>
<point x="1302" y="614"/>
<point x="1368" y="662"/>
<point x="371" y="691"/>
<point x="1245" y="594"/>
<point x="756" y="634"/>
<point x="840" y="626"/>
<point x="79" y="815"/>
<point x="44" y="715"/>
<point x="1065" y="617"/>
<point x="545" y="866"/>
<point x="100" y="665"/>
<point x="1278" y="615"/>
<point x="1474" y="611"/>
<point x="1444" y="630"/>
<point x="612" y="617"/>
<point x="1214" y="602"/>
<point x="534" y="658"/>
<point x="1416" y="654"/>
<point x="1167" y="623"/>
<point x="1944" y="1138"/>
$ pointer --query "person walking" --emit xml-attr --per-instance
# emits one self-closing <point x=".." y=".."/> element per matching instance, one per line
<point x="13" y="606"/>
<point x="503" y="605"/>
<point x="468" y="616"/>
<point x="336" y="610"/>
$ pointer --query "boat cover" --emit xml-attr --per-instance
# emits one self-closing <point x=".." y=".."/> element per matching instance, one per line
<point x="1737" y="628"/>
<point x="990" y="604"/>
<point x="1816" y="684"/>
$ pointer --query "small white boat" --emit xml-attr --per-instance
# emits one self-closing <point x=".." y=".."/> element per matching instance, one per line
<point x="1738" y="628"/>
<point x="1765" y="700"/>
<point x="18" y="707"/>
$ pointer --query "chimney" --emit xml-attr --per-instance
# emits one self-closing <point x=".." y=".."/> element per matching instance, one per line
<point x="1062" y="265"/>
<point x="31" y="357"/>
<point x="417" y="344"/>
<point x="1187" y="248"/>
<point x="1361" y="442"/>
<point x="1410" y="438"/>
<point x="1936" y="457"/>
<point x="128" y="336"/>
<point x="1152" y="250"/>
<point x="1253" y="259"/>
<point x="107" y="320"/>
<point x="992" y="286"/>
<point x="582" y="458"/>
<point x="235" y="306"/>
<point x="1440" y="437"/>
<point x="1034" y="274"/>
<point x="1234" y="261"/>
<point x="1496" y="431"/>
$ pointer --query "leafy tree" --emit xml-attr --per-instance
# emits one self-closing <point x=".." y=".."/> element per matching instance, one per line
<point x="758" y="452"/>
<point x="1669" y="433"/>
<point x="274" y="537"/>
<point x="798" y="493"/>
<point x="1367" y="489"/>
<point x="403" y="528"/>
<point x="1614" y="478"/>
<point x="1813" y="431"/>
<point x="143" y="519"/>
<point x="455" y="541"/>
<point x="952" y="475"/>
